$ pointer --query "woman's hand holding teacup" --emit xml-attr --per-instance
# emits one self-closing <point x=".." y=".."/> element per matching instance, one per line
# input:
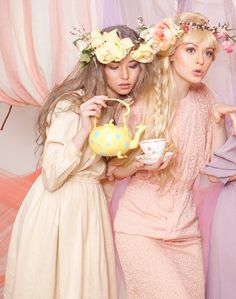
<point x="153" y="158"/>
<point x="160" y="164"/>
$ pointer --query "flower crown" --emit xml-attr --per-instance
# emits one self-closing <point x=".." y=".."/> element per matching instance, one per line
<point x="165" y="34"/>
<point x="108" y="47"/>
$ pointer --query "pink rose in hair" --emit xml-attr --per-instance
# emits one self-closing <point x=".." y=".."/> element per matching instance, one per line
<point x="227" y="46"/>
<point x="165" y="34"/>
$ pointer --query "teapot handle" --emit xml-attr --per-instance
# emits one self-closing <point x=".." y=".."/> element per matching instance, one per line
<point x="124" y="116"/>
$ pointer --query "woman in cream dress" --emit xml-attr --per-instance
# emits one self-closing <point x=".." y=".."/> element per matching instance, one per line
<point x="61" y="245"/>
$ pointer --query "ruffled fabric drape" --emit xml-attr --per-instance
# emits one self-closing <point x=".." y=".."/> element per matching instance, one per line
<point x="36" y="50"/>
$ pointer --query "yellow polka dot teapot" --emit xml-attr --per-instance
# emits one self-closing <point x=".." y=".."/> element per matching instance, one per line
<point x="110" y="140"/>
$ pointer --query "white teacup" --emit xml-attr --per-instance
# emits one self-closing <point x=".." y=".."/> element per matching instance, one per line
<point x="153" y="147"/>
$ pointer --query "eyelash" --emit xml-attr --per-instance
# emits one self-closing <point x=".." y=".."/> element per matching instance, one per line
<point x="209" y="53"/>
<point x="192" y="50"/>
<point x="132" y="66"/>
<point x="113" y="67"/>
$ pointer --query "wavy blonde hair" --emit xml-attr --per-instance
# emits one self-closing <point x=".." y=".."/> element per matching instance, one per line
<point x="90" y="80"/>
<point x="160" y="101"/>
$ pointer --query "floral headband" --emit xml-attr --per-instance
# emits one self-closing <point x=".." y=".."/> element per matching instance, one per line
<point x="165" y="34"/>
<point x="108" y="47"/>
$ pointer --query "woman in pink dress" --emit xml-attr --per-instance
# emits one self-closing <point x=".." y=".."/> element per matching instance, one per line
<point x="156" y="228"/>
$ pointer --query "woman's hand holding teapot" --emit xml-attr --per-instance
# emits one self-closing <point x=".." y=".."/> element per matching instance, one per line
<point x="90" y="108"/>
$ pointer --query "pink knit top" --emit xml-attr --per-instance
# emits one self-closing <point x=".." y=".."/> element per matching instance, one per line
<point x="169" y="212"/>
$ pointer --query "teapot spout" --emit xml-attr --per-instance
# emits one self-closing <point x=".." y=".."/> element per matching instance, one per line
<point x="138" y="131"/>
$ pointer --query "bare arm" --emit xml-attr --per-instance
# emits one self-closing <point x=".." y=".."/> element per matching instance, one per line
<point x="121" y="172"/>
<point x="218" y="134"/>
<point x="219" y="110"/>
<point x="214" y="179"/>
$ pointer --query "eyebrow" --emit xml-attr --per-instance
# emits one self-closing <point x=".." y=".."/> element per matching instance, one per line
<point x="197" y="45"/>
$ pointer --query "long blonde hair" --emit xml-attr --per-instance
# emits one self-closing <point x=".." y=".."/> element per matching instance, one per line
<point x="161" y="102"/>
<point x="85" y="83"/>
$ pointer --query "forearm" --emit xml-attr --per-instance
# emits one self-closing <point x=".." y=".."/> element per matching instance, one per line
<point x="218" y="134"/>
<point x="121" y="172"/>
<point x="232" y="178"/>
<point x="214" y="179"/>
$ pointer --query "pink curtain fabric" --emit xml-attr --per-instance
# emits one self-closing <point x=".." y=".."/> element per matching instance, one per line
<point x="13" y="190"/>
<point x="36" y="50"/>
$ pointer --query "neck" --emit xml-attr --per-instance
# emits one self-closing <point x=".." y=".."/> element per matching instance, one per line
<point x="112" y="94"/>
<point x="182" y="87"/>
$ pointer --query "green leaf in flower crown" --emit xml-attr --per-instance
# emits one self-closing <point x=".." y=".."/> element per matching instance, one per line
<point x="75" y="41"/>
<point x="85" y="57"/>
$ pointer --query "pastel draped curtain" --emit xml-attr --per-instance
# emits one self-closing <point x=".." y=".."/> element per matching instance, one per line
<point x="36" y="50"/>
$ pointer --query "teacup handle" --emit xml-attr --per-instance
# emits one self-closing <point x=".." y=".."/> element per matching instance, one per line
<point x="124" y="116"/>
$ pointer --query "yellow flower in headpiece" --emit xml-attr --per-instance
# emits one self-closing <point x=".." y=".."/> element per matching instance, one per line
<point x="143" y="54"/>
<point x="113" y="48"/>
<point x="108" y="47"/>
<point x="96" y="38"/>
<point x="126" y="43"/>
<point x="104" y="54"/>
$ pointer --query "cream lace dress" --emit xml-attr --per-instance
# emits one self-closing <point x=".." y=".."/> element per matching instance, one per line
<point x="61" y="245"/>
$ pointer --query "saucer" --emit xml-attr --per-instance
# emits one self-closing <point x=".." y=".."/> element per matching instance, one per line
<point x="147" y="159"/>
<point x="167" y="154"/>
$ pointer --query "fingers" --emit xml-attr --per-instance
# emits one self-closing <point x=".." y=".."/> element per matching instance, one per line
<point x="213" y="179"/>
<point x="154" y="166"/>
<point x="219" y="110"/>
<point x="217" y="116"/>
<point x="166" y="163"/>
<point x="93" y="106"/>
<point x="160" y="164"/>
<point x="97" y="100"/>
<point x="229" y="109"/>
<point x="138" y="164"/>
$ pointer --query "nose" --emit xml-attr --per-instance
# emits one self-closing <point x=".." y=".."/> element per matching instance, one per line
<point x="200" y="58"/>
<point x="124" y="73"/>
